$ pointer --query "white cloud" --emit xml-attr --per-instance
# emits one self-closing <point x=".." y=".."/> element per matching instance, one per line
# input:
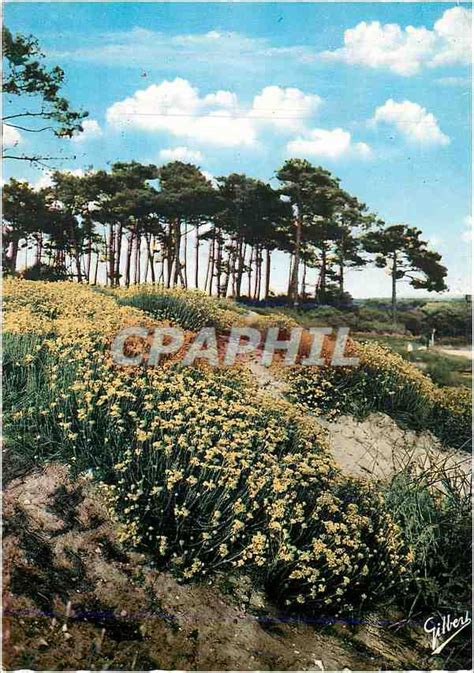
<point x="142" y="49"/>
<point x="181" y="154"/>
<point x="11" y="136"/>
<point x="222" y="99"/>
<point x="284" y="108"/>
<point x="467" y="233"/>
<point x="91" y="130"/>
<point x="328" y="144"/>
<point x="413" y="121"/>
<point x="177" y="107"/>
<point x="454" y="31"/>
<point x="406" y="50"/>
<point x="45" y="180"/>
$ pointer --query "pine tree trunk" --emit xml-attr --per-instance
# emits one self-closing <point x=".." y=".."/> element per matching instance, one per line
<point x="296" y="263"/>
<point x="394" y="287"/>
<point x="185" y="258"/>
<point x="290" y="275"/>
<point x="212" y="263"/>
<point x="267" y="273"/>
<point x="240" y="268"/>
<point x="177" y="250"/>
<point x="118" y="253"/>
<point x="322" y="284"/>
<point x="303" y="281"/>
<point x="219" y="262"/>
<point x="169" y="255"/>
<point x="196" y="259"/>
<point x="110" y="255"/>
<point x="249" y="274"/>
<point x="96" y="269"/>
<point x="128" y="261"/>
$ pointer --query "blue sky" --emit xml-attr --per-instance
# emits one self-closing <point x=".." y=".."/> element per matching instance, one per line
<point x="378" y="93"/>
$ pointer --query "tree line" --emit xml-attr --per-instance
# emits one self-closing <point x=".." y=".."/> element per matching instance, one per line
<point x="141" y="223"/>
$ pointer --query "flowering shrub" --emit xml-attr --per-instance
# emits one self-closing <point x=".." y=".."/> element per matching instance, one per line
<point x="191" y="309"/>
<point x="348" y="552"/>
<point x="452" y="416"/>
<point x="195" y="464"/>
<point x="385" y="382"/>
<point x="62" y="308"/>
<point x="200" y="470"/>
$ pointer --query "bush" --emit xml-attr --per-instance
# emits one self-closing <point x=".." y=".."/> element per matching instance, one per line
<point x="432" y="506"/>
<point x="202" y="471"/>
<point x="383" y="381"/>
<point x="349" y="553"/>
<point x="440" y="372"/>
<point x="45" y="272"/>
<point x="192" y="310"/>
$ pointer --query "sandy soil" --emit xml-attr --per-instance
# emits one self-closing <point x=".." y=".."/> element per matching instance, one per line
<point x="377" y="447"/>
<point x="462" y="352"/>
<point x="74" y="599"/>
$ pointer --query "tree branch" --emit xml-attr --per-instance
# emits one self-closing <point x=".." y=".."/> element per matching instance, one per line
<point x="23" y="128"/>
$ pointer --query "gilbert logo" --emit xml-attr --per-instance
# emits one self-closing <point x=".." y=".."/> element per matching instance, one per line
<point x="441" y="628"/>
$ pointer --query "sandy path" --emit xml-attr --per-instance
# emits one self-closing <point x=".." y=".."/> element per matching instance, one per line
<point x="462" y="352"/>
<point x="378" y="448"/>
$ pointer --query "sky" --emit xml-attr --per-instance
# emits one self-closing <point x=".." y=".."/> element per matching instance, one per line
<point x="377" y="93"/>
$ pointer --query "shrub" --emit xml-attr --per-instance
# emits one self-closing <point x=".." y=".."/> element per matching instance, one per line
<point x="62" y="308"/>
<point x="432" y="505"/>
<point x="451" y="418"/>
<point x="45" y="272"/>
<point x="201" y="470"/>
<point x="349" y="553"/>
<point x="440" y="372"/>
<point x="385" y="382"/>
<point x="179" y="310"/>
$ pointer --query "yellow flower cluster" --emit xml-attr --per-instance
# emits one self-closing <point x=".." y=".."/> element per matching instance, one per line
<point x="384" y="381"/>
<point x="195" y="464"/>
<point x="62" y="308"/>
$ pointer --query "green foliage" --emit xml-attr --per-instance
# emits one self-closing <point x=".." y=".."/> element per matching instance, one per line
<point x="45" y="272"/>
<point x="200" y="470"/>
<point x="26" y="75"/>
<point x="432" y="505"/>
<point x="384" y="382"/>
<point x="191" y="310"/>
<point x="367" y="562"/>
<point x="440" y="372"/>
<point x="402" y="247"/>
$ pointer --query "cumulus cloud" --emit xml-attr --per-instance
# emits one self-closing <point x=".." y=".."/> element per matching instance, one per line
<point x="328" y="144"/>
<point x="284" y="108"/>
<point x="91" y="130"/>
<point x="405" y="51"/>
<point x="10" y="136"/>
<point x="468" y="224"/>
<point x="181" y="154"/>
<point x="45" y="180"/>
<point x="177" y="107"/>
<point x="413" y="121"/>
